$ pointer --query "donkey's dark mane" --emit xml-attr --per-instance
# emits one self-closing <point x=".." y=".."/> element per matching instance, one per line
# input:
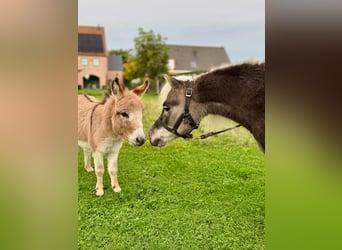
<point x="109" y="91"/>
<point x="107" y="94"/>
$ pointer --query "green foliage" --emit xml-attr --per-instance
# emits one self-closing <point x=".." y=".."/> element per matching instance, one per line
<point x="130" y="70"/>
<point x="125" y="54"/>
<point x="150" y="59"/>
<point x="151" y="54"/>
<point x="195" y="194"/>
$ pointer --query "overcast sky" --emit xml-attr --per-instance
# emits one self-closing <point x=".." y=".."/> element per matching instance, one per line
<point x="238" y="26"/>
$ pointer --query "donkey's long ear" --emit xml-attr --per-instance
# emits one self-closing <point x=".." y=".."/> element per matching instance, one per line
<point x="140" y="90"/>
<point x="173" y="81"/>
<point x="117" y="88"/>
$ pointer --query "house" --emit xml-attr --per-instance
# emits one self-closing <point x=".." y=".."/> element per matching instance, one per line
<point x="115" y="68"/>
<point x="183" y="58"/>
<point x="95" y="67"/>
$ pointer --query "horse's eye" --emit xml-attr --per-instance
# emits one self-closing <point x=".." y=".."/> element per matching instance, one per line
<point x="124" y="115"/>
<point x="166" y="108"/>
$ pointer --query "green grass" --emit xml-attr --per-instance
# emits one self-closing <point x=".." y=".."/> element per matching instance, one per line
<point x="188" y="195"/>
<point x="94" y="92"/>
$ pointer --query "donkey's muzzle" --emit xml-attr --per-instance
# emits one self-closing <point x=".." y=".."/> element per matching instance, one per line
<point x="139" y="141"/>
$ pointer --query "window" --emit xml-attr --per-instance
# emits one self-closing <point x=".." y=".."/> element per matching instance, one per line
<point x="193" y="64"/>
<point x="96" y="62"/>
<point x="84" y="61"/>
<point x="172" y="64"/>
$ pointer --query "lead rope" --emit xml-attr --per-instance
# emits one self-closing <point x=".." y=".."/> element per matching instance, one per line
<point x="204" y="136"/>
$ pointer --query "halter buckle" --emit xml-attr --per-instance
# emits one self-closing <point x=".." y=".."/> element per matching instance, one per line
<point x="188" y="92"/>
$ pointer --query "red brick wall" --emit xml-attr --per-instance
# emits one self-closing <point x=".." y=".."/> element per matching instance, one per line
<point x="99" y="71"/>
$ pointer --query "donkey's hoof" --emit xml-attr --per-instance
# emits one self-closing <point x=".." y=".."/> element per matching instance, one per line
<point x="116" y="189"/>
<point x="89" y="169"/>
<point x="99" y="192"/>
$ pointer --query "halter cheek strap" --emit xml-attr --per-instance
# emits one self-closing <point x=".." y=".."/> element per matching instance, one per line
<point x="185" y="117"/>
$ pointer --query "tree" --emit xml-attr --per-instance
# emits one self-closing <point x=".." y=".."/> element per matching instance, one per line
<point x="130" y="70"/>
<point x="129" y="64"/>
<point x="151" y="55"/>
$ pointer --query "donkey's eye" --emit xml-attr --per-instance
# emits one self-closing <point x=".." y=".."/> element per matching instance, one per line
<point x="124" y="115"/>
<point x="166" y="108"/>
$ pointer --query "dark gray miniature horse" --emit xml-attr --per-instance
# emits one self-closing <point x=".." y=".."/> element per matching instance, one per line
<point x="236" y="92"/>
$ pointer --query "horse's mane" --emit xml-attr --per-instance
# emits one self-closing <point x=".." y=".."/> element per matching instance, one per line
<point x="237" y="66"/>
<point x="250" y="61"/>
<point x="166" y="88"/>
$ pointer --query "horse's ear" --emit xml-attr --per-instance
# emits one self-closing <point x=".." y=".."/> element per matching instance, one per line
<point x="140" y="90"/>
<point x="172" y="81"/>
<point x="117" y="88"/>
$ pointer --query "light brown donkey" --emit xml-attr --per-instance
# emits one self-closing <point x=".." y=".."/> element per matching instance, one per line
<point x="102" y="127"/>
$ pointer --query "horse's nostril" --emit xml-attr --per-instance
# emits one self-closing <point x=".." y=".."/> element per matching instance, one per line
<point x="155" y="142"/>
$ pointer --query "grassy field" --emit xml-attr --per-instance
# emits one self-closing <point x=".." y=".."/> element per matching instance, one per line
<point x="195" y="194"/>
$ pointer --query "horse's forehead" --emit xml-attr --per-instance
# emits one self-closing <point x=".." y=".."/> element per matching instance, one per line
<point x="175" y="97"/>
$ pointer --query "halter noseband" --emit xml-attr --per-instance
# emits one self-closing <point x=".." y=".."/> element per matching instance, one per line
<point x="185" y="117"/>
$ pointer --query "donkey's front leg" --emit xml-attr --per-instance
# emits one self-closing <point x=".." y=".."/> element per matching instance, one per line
<point x="99" y="170"/>
<point x="113" y="171"/>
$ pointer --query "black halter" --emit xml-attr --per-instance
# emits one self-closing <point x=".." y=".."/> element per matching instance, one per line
<point x="185" y="117"/>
